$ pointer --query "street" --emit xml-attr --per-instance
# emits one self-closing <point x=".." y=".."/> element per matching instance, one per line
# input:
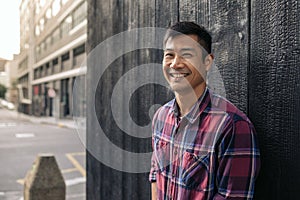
<point x="22" y="140"/>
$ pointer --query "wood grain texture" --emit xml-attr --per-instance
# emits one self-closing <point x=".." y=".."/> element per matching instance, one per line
<point x="274" y="95"/>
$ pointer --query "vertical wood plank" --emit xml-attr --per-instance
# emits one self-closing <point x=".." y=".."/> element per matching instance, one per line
<point x="228" y="22"/>
<point x="274" y="95"/>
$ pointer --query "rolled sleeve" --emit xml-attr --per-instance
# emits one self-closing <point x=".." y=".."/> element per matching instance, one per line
<point x="153" y="170"/>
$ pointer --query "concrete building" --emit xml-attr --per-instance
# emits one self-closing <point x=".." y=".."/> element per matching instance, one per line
<point x="52" y="49"/>
<point x="11" y="67"/>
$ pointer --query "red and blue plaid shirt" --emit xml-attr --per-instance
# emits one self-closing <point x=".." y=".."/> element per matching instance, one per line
<point x="211" y="153"/>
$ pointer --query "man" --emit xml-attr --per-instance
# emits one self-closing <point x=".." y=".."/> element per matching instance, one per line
<point x="203" y="146"/>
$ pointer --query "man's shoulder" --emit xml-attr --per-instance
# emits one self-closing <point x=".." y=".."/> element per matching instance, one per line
<point x="223" y="105"/>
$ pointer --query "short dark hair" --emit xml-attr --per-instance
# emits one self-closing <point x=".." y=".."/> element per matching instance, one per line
<point x="190" y="28"/>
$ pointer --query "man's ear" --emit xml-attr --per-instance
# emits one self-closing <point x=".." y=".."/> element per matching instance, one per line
<point x="209" y="59"/>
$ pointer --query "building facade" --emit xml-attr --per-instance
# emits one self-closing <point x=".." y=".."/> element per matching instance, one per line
<point x="52" y="51"/>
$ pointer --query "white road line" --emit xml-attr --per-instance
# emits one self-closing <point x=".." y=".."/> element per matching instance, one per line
<point x="73" y="196"/>
<point x="7" y="124"/>
<point x="24" y="135"/>
<point x="75" y="181"/>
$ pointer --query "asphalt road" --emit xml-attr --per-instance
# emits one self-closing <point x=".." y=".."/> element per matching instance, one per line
<point x="20" y="143"/>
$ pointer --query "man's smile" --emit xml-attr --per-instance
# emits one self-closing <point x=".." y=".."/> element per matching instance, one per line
<point x="178" y="75"/>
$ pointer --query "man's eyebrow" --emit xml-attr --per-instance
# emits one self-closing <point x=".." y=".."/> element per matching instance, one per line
<point x="182" y="49"/>
<point x="188" y="49"/>
<point x="168" y="49"/>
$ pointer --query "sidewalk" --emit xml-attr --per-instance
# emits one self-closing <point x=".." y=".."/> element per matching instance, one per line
<point x="67" y="123"/>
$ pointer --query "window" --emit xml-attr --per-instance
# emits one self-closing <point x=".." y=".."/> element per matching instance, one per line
<point x="55" y="61"/>
<point x="48" y="13"/>
<point x="66" y="26"/>
<point x="42" y="3"/>
<point x="43" y="46"/>
<point x="79" y="50"/>
<point x="55" y="7"/>
<point x="42" y="22"/>
<point x="55" y="36"/>
<point x="64" y="1"/>
<point x="65" y="57"/>
<point x="80" y="14"/>
<point x="48" y="42"/>
<point x="37" y="30"/>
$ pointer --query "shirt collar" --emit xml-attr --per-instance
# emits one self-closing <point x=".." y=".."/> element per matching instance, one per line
<point x="197" y="108"/>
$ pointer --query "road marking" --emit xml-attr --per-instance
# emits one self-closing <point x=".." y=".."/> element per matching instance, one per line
<point x="64" y="171"/>
<point x="2" y="193"/>
<point x="24" y="135"/>
<point x="75" y="181"/>
<point x="75" y="196"/>
<point x="21" y="181"/>
<point x="7" y="124"/>
<point x="70" y="156"/>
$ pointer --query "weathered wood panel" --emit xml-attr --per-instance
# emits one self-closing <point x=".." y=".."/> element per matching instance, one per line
<point x="274" y="95"/>
<point x="106" y="19"/>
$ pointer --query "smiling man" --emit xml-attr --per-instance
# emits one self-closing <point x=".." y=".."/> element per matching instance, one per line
<point x="203" y="146"/>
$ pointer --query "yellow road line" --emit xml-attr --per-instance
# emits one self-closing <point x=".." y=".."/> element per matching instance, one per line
<point x="70" y="156"/>
<point x="21" y="181"/>
<point x="64" y="171"/>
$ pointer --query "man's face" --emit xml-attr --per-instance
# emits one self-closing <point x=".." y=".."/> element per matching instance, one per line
<point x="183" y="65"/>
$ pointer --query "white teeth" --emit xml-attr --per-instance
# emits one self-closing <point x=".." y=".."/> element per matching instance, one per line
<point x="178" y="75"/>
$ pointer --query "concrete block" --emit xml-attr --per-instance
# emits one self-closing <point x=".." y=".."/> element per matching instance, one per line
<point x="44" y="181"/>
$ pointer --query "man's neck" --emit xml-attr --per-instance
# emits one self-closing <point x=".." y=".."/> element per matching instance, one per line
<point x="186" y="100"/>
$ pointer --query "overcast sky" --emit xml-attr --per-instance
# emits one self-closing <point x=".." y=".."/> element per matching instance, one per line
<point x="9" y="23"/>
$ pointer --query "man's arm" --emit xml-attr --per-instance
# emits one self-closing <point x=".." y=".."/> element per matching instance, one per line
<point x="153" y="191"/>
<point x="239" y="162"/>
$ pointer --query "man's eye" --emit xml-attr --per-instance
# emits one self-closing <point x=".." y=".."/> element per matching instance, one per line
<point x="187" y="55"/>
<point x="168" y="55"/>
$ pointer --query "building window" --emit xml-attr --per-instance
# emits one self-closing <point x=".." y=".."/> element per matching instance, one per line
<point x="37" y="30"/>
<point x="64" y="61"/>
<point x="79" y="50"/>
<point x="80" y="14"/>
<point x="48" y="42"/>
<point x="55" y="7"/>
<point x="23" y="64"/>
<point x="66" y="26"/>
<point x="78" y="55"/>
<point x="48" y="69"/>
<point x="55" y="61"/>
<point x="42" y="23"/>
<point x="55" y="36"/>
<point x="64" y="2"/>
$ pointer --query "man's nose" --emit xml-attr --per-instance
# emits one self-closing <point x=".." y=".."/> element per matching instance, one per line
<point x="176" y="62"/>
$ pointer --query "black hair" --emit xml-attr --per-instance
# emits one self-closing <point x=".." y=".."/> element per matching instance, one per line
<point x="190" y="28"/>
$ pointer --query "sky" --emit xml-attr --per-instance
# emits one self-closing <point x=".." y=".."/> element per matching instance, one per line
<point x="9" y="28"/>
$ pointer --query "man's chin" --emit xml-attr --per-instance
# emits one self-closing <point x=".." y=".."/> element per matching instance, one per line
<point x="181" y="89"/>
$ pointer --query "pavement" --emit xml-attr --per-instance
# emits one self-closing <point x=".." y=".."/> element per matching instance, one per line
<point x="75" y="123"/>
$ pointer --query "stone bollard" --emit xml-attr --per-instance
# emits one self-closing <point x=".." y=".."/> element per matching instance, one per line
<point x="44" y="181"/>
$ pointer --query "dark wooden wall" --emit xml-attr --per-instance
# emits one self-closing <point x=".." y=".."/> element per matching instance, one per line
<point x="256" y="45"/>
<point x="274" y="91"/>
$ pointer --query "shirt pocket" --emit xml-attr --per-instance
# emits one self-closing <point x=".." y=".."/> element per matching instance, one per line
<point x="162" y="152"/>
<point x="195" y="171"/>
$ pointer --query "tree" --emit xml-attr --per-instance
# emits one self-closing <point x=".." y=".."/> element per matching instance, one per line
<point x="2" y="91"/>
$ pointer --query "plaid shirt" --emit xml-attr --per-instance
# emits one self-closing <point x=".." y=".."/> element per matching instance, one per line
<point x="211" y="153"/>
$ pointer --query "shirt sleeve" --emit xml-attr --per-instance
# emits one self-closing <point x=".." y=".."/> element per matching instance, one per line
<point x="153" y="170"/>
<point x="239" y="162"/>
